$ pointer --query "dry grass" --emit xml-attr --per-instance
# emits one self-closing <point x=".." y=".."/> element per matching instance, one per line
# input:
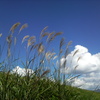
<point x="14" y="27"/>
<point x="23" y="27"/>
<point x="40" y="48"/>
<point x="1" y="35"/>
<point x="43" y="30"/>
<point x="31" y="41"/>
<point x="75" y="52"/>
<point x="25" y="37"/>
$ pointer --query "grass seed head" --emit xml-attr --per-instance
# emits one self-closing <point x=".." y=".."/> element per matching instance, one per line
<point x="45" y="72"/>
<point x="50" y="37"/>
<point x="55" y="57"/>
<point x="25" y="37"/>
<point x="40" y="48"/>
<point x="1" y="35"/>
<point x="44" y="34"/>
<point x="79" y="59"/>
<point x="22" y="27"/>
<point x="75" y="52"/>
<point x="62" y="42"/>
<point x="31" y="41"/>
<point x="14" y="27"/>
<point x="59" y="33"/>
<point x="43" y="30"/>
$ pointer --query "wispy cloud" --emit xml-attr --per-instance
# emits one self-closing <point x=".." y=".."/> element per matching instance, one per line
<point x="81" y="61"/>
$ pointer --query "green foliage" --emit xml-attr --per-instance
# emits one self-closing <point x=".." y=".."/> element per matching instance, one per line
<point x="15" y="87"/>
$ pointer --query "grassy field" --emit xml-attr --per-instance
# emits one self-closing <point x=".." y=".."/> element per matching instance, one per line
<point x="44" y="83"/>
<point x="15" y="87"/>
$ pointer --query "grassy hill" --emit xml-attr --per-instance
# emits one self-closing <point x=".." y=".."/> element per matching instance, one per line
<point x="15" y="87"/>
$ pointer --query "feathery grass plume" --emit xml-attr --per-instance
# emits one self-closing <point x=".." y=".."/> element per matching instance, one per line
<point x="40" y="48"/>
<point x="44" y="34"/>
<point x="50" y="36"/>
<point x="14" y="27"/>
<point x="62" y="42"/>
<point x="31" y="41"/>
<point x="59" y="33"/>
<point x="22" y="27"/>
<point x="69" y="43"/>
<point x="51" y="39"/>
<point x="25" y="37"/>
<point x="31" y="38"/>
<point x="0" y="34"/>
<point x="53" y="54"/>
<point x="79" y="59"/>
<point x="55" y="57"/>
<point x="67" y="48"/>
<point x="43" y="30"/>
<point x="49" y="55"/>
<point x="45" y="72"/>
<point x="75" y="52"/>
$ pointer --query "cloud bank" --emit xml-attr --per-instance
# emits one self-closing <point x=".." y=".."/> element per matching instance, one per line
<point x="81" y="62"/>
<point x="22" y="71"/>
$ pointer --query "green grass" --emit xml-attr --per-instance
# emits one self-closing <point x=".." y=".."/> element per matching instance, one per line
<point x="39" y="58"/>
<point x="15" y="87"/>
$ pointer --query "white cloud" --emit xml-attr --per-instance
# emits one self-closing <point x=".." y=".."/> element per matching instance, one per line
<point x="85" y="64"/>
<point x="22" y="71"/>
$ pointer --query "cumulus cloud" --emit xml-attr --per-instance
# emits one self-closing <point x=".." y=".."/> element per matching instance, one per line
<point x="22" y="71"/>
<point x="80" y="61"/>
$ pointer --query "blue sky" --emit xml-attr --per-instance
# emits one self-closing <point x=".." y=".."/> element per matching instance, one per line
<point x="79" y="20"/>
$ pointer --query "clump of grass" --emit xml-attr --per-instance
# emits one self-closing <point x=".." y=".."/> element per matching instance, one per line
<point x="44" y="83"/>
